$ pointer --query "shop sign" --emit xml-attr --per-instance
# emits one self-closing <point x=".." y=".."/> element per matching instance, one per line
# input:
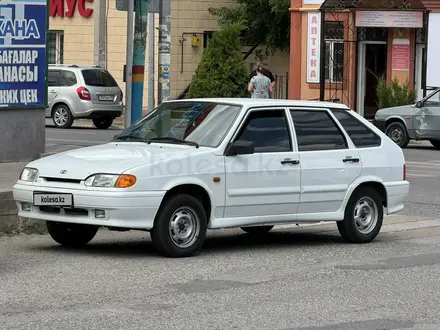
<point x="400" y="55"/>
<point x="397" y="19"/>
<point x="66" y="8"/>
<point x="313" y="46"/>
<point x="23" y="67"/>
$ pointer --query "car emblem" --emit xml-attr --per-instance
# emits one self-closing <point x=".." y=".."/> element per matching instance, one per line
<point x="63" y="171"/>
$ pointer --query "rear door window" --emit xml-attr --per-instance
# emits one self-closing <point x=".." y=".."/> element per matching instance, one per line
<point x="360" y="134"/>
<point x="68" y="78"/>
<point x="98" y="78"/>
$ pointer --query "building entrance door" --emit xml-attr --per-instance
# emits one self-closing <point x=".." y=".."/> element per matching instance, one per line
<point x="372" y="66"/>
<point x="420" y="59"/>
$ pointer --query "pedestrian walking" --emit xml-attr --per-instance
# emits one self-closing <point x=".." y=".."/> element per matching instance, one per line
<point x="260" y="86"/>
<point x="266" y="72"/>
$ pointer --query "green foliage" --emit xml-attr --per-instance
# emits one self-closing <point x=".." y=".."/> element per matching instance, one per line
<point x="221" y="71"/>
<point x="265" y="22"/>
<point x="394" y="95"/>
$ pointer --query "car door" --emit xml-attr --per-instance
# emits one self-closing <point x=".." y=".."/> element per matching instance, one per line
<point x="328" y="164"/>
<point x="267" y="182"/>
<point x="427" y="119"/>
<point x="53" y="89"/>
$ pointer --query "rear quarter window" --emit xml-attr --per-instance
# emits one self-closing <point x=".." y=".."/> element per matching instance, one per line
<point x="98" y="78"/>
<point x="361" y="135"/>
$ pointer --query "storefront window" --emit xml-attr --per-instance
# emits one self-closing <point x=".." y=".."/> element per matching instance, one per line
<point x="334" y="50"/>
<point x="55" y="47"/>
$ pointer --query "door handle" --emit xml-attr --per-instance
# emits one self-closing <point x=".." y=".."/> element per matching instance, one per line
<point x="353" y="160"/>
<point x="289" y="161"/>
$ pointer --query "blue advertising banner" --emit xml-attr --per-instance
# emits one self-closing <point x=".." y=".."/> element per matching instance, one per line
<point x="23" y="65"/>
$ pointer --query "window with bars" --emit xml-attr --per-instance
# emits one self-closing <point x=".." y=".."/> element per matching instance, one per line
<point x="334" y="51"/>
<point x="55" y="47"/>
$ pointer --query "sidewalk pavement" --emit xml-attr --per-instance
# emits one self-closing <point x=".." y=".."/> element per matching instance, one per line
<point x="118" y="123"/>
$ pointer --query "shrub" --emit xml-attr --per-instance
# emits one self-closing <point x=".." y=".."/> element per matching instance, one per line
<point x="394" y="95"/>
<point x="221" y="71"/>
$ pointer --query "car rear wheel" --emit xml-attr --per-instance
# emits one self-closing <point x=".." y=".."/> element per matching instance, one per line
<point x="103" y="123"/>
<point x="180" y="227"/>
<point x="257" y="229"/>
<point x="435" y="143"/>
<point x="397" y="132"/>
<point x="363" y="216"/>
<point x="62" y="117"/>
<point x="71" y="234"/>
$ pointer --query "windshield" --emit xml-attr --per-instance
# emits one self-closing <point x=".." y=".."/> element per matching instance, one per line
<point x="204" y="123"/>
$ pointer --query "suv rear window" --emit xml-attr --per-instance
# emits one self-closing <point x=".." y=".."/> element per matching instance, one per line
<point x="98" y="78"/>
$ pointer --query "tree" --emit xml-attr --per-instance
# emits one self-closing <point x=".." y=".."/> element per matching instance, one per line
<point x="221" y="71"/>
<point x="266" y="22"/>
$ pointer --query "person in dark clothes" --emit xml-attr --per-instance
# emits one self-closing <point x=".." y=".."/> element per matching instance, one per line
<point x="266" y="72"/>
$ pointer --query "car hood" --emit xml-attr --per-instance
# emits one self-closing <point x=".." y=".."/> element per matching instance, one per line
<point x="399" y="110"/>
<point x="111" y="158"/>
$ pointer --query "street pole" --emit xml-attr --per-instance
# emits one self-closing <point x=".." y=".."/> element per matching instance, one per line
<point x="99" y="33"/>
<point x="164" y="51"/>
<point x="129" y="63"/>
<point x="139" y="44"/>
<point x="151" y="61"/>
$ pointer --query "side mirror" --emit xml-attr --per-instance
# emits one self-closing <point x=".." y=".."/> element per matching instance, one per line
<point x="419" y="104"/>
<point x="240" y="148"/>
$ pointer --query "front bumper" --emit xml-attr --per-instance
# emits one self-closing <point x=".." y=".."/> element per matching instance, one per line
<point x="131" y="210"/>
<point x="380" y="124"/>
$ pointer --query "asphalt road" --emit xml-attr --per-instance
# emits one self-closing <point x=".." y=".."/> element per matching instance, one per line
<point x="293" y="278"/>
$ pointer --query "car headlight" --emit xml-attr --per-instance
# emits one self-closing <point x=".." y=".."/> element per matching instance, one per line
<point x="29" y="174"/>
<point x="110" y="180"/>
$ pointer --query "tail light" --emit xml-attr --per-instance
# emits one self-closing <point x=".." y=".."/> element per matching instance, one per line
<point x="83" y="93"/>
<point x="404" y="172"/>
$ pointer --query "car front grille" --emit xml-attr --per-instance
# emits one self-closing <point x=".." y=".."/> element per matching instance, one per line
<point x="67" y="211"/>
<point x="49" y="179"/>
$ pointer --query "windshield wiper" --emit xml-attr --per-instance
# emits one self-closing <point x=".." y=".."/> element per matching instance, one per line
<point x="171" y="139"/>
<point x="131" y="138"/>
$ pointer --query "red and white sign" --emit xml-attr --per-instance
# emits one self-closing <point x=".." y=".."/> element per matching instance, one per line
<point x="67" y="8"/>
<point x="313" y="46"/>
<point x="400" y="55"/>
<point x="397" y="19"/>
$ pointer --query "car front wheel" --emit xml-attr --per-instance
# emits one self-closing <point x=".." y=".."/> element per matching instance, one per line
<point x="70" y="234"/>
<point x="180" y="227"/>
<point x="397" y="132"/>
<point x="363" y="217"/>
<point x="103" y="123"/>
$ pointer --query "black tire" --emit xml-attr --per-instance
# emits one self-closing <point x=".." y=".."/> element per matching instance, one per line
<point x="62" y="116"/>
<point x="348" y="228"/>
<point x="397" y="132"/>
<point x="435" y="143"/>
<point x="103" y="123"/>
<point x="70" y="234"/>
<point x="257" y="229"/>
<point x="189" y="210"/>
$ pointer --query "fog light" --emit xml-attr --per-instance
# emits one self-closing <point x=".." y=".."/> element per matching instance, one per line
<point x="100" y="214"/>
<point x="27" y="207"/>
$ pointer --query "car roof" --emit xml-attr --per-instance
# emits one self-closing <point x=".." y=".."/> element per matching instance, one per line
<point x="250" y="102"/>
<point x="74" y="66"/>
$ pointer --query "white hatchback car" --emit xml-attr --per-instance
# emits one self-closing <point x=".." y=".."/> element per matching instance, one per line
<point x="198" y="164"/>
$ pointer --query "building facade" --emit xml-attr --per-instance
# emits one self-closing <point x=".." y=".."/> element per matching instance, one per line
<point x="72" y="40"/>
<point x="352" y="44"/>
